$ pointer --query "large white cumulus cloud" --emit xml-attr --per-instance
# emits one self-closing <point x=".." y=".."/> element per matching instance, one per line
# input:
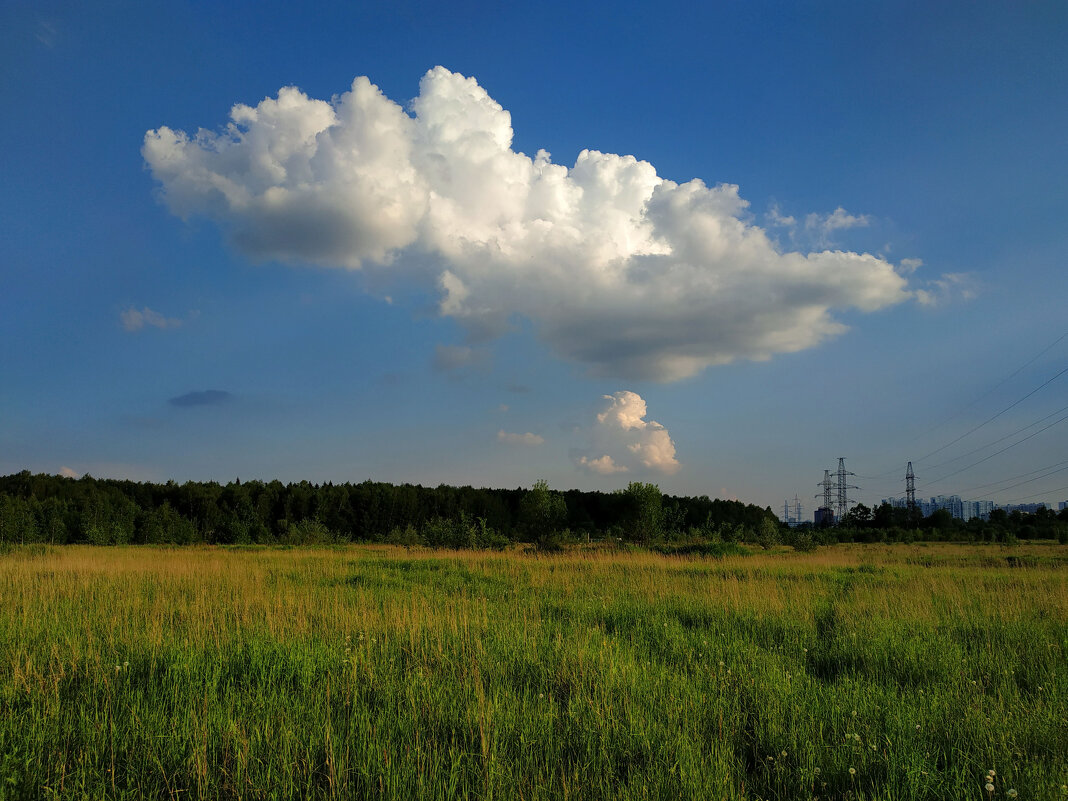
<point x="619" y="269"/>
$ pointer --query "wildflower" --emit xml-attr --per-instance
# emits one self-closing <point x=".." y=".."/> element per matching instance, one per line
<point x="852" y="771"/>
<point x="1011" y="793"/>
<point x="817" y="772"/>
<point x="989" y="787"/>
<point x="991" y="772"/>
<point x="118" y="668"/>
<point x="784" y="755"/>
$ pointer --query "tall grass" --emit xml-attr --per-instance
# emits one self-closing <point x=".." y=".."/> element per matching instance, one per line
<point x="859" y="672"/>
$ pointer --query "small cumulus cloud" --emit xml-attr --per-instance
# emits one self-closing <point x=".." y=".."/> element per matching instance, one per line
<point x="68" y="472"/>
<point x="207" y="397"/>
<point x="137" y="319"/>
<point x="509" y="438"/>
<point x="603" y="465"/>
<point x="617" y="268"/>
<point x="627" y="441"/>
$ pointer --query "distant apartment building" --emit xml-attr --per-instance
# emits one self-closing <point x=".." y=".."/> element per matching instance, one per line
<point x="968" y="510"/>
<point x="1023" y="508"/>
<point x="951" y="503"/>
<point x="980" y="509"/>
<point x="958" y="508"/>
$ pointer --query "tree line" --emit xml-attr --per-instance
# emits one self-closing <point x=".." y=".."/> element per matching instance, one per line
<point x="59" y="510"/>
<point x="886" y="523"/>
<point x="36" y="508"/>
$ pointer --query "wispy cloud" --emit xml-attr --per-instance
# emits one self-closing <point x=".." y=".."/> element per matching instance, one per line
<point x="457" y="357"/>
<point x="825" y="225"/>
<point x="519" y="439"/>
<point x="948" y="288"/>
<point x="206" y="397"/>
<point x="777" y="219"/>
<point x="618" y="269"/>
<point x="47" y="33"/>
<point x="136" y="319"/>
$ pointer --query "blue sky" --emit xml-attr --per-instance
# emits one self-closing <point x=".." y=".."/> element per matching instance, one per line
<point x="402" y="296"/>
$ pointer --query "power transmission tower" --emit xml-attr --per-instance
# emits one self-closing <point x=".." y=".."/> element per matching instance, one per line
<point x="797" y="509"/>
<point x="843" y="488"/>
<point x="827" y="509"/>
<point x="786" y="512"/>
<point x="910" y="493"/>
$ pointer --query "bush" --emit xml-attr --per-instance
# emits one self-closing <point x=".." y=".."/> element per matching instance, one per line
<point x="407" y="536"/>
<point x="307" y="532"/>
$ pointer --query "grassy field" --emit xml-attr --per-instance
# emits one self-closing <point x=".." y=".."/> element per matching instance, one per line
<point x="860" y="672"/>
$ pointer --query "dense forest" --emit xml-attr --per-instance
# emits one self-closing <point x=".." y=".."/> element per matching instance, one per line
<point x="54" y="509"/>
<point x="58" y="510"/>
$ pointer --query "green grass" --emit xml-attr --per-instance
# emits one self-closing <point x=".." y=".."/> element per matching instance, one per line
<point x="384" y="673"/>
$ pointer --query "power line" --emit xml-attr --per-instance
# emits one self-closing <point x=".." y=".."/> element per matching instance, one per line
<point x="1022" y="475"/>
<point x="998" y="453"/>
<point x="990" y="391"/>
<point x="1000" y="439"/>
<point x="1044" y="492"/>
<point x="997" y="386"/>
<point x="996" y="416"/>
<point x="1036" y="478"/>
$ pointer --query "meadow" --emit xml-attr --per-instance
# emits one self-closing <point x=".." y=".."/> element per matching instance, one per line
<point x="853" y="672"/>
